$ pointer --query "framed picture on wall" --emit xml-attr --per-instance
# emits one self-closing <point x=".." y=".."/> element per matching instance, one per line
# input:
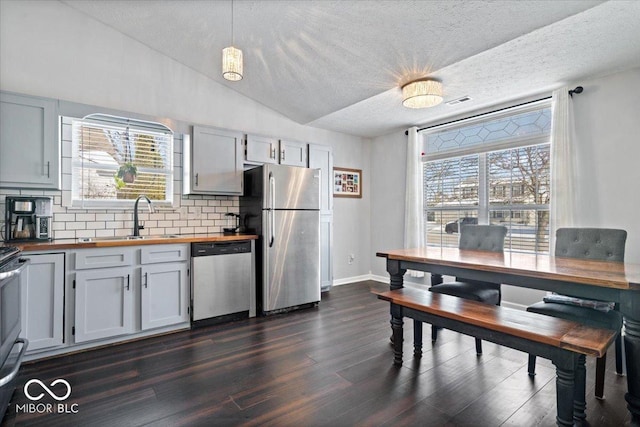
<point x="347" y="182"/>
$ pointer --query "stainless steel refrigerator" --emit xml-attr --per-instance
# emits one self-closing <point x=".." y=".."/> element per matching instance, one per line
<point x="282" y="205"/>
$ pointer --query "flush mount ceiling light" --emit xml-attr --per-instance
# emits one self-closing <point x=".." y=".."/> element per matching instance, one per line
<point x="422" y="93"/>
<point x="232" y="64"/>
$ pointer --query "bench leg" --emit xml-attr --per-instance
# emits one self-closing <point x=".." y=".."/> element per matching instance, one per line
<point x="565" y="381"/>
<point x="579" y="402"/>
<point x="532" y="365"/>
<point x="478" y="346"/>
<point x="434" y="333"/>
<point x="601" y="363"/>
<point x="619" y="355"/>
<point x="417" y="339"/>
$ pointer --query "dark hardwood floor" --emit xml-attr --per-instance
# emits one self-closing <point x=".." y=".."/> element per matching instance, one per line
<point x="330" y="365"/>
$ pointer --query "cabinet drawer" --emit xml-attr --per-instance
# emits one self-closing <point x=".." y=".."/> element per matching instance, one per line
<point x="154" y="254"/>
<point x="101" y="258"/>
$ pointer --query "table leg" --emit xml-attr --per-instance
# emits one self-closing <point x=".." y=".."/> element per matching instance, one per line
<point x="396" y="274"/>
<point x="632" y="355"/>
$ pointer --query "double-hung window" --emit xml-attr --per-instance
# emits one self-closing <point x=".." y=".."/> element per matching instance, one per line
<point x="117" y="159"/>
<point x="492" y="169"/>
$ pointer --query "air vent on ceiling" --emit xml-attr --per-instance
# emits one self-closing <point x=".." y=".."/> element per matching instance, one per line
<point x="459" y="100"/>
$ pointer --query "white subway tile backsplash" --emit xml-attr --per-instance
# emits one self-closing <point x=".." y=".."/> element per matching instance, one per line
<point x="64" y="217"/>
<point x="85" y="233"/>
<point x="63" y="234"/>
<point x="76" y="225"/>
<point x="104" y="217"/>
<point x="96" y="225"/>
<point x="105" y="233"/>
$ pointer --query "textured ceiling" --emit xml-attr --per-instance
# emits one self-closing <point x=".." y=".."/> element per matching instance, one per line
<point x="338" y="64"/>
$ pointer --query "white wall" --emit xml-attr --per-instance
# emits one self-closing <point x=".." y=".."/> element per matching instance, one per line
<point x="607" y="119"/>
<point x="49" y="49"/>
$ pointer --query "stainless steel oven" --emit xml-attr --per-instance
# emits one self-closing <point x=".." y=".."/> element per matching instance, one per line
<point x="12" y="348"/>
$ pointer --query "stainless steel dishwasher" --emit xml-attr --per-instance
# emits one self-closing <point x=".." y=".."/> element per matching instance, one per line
<point x="222" y="281"/>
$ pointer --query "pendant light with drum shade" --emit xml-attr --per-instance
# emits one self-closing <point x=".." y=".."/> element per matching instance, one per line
<point x="232" y="64"/>
<point x="422" y="93"/>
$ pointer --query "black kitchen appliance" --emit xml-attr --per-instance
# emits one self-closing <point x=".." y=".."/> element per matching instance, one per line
<point x="233" y="223"/>
<point x="12" y="348"/>
<point x="27" y="218"/>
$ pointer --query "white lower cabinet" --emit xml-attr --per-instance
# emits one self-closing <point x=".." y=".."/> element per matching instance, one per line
<point x="104" y="303"/>
<point x="42" y="289"/>
<point x="164" y="295"/>
<point x="135" y="290"/>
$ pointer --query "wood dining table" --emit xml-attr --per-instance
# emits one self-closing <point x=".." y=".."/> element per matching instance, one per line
<point x="601" y="280"/>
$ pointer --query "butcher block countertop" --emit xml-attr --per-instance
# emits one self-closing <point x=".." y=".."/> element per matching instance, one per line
<point x="104" y="242"/>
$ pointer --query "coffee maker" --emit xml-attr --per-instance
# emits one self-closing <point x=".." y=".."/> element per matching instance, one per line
<point x="28" y="218"/>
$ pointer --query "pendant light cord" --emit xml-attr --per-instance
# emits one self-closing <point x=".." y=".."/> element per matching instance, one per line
<point x="232" y="38"/>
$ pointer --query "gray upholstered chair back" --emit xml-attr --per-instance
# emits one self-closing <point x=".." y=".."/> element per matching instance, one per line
<point x="482" y="237"/>
<point x="603" y="244"/>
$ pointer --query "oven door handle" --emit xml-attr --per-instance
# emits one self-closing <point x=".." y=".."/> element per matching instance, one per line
<point x="11" y="273"/>
<point x="14" y="372"/>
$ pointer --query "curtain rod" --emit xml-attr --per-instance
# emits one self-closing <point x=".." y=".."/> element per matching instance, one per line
<point x="578" y="89"/>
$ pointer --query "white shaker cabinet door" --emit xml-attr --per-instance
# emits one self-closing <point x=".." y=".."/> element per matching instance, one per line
<point x="104" y="303"/>
<point x="293" y="153"/>
<point x="164" y="295"/>
<point x="29" y="142"/>
<point x="262" y="149"/>
<point x="215" y="161"/>
<point x="42" y="289"/>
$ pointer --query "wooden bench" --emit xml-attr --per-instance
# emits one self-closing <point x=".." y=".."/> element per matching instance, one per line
<point x="563" y="342"/>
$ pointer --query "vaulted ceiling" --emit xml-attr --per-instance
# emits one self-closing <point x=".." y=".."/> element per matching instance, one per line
<point x="339" y="65"/>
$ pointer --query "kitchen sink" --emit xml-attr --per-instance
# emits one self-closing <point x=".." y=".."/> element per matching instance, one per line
<point x="115" y="238"/>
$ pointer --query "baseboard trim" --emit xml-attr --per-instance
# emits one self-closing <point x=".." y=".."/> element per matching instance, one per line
<point x="513" y="305"/>
<point x="353" y="279"/>
<point x="362" y="278"/>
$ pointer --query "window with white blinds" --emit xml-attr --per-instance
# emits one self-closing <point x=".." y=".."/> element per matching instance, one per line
<point x="117" y="159"/>
<point x="494" y="169"/>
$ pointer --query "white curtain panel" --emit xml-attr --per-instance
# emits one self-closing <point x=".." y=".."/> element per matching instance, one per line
<point x="414" y="236"/>
<point x="563" y="163"/>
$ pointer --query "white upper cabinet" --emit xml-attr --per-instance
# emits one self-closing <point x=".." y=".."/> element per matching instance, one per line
<point x="293" y="153"/>
<point x="262" y="149"/>
<point x="212" y="162"/>
<point x="29" y="142"/>
<point x="321" y="157"/>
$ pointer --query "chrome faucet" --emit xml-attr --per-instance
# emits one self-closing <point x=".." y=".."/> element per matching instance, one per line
<point x="136" y="226"/>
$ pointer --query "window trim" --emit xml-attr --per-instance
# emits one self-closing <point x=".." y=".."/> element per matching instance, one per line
<point x="111" y="121"/>
<point x="484" y="208"/>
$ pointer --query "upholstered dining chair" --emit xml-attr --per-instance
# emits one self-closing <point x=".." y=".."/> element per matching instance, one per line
<point x="601" y="244"/>
<point x="481" y="238"/>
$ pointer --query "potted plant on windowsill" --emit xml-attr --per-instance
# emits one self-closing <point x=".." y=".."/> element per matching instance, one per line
<point x="127" y="172"/>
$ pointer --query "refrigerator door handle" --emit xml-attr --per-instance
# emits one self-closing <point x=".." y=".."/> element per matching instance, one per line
<point x="272" y="207"/>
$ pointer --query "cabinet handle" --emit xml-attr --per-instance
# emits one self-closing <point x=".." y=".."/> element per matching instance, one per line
<point x="128" y="281"/>
<point x="146" y="280"/>
<point x="48" y="169"/>
<point x="196" y="180"/>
